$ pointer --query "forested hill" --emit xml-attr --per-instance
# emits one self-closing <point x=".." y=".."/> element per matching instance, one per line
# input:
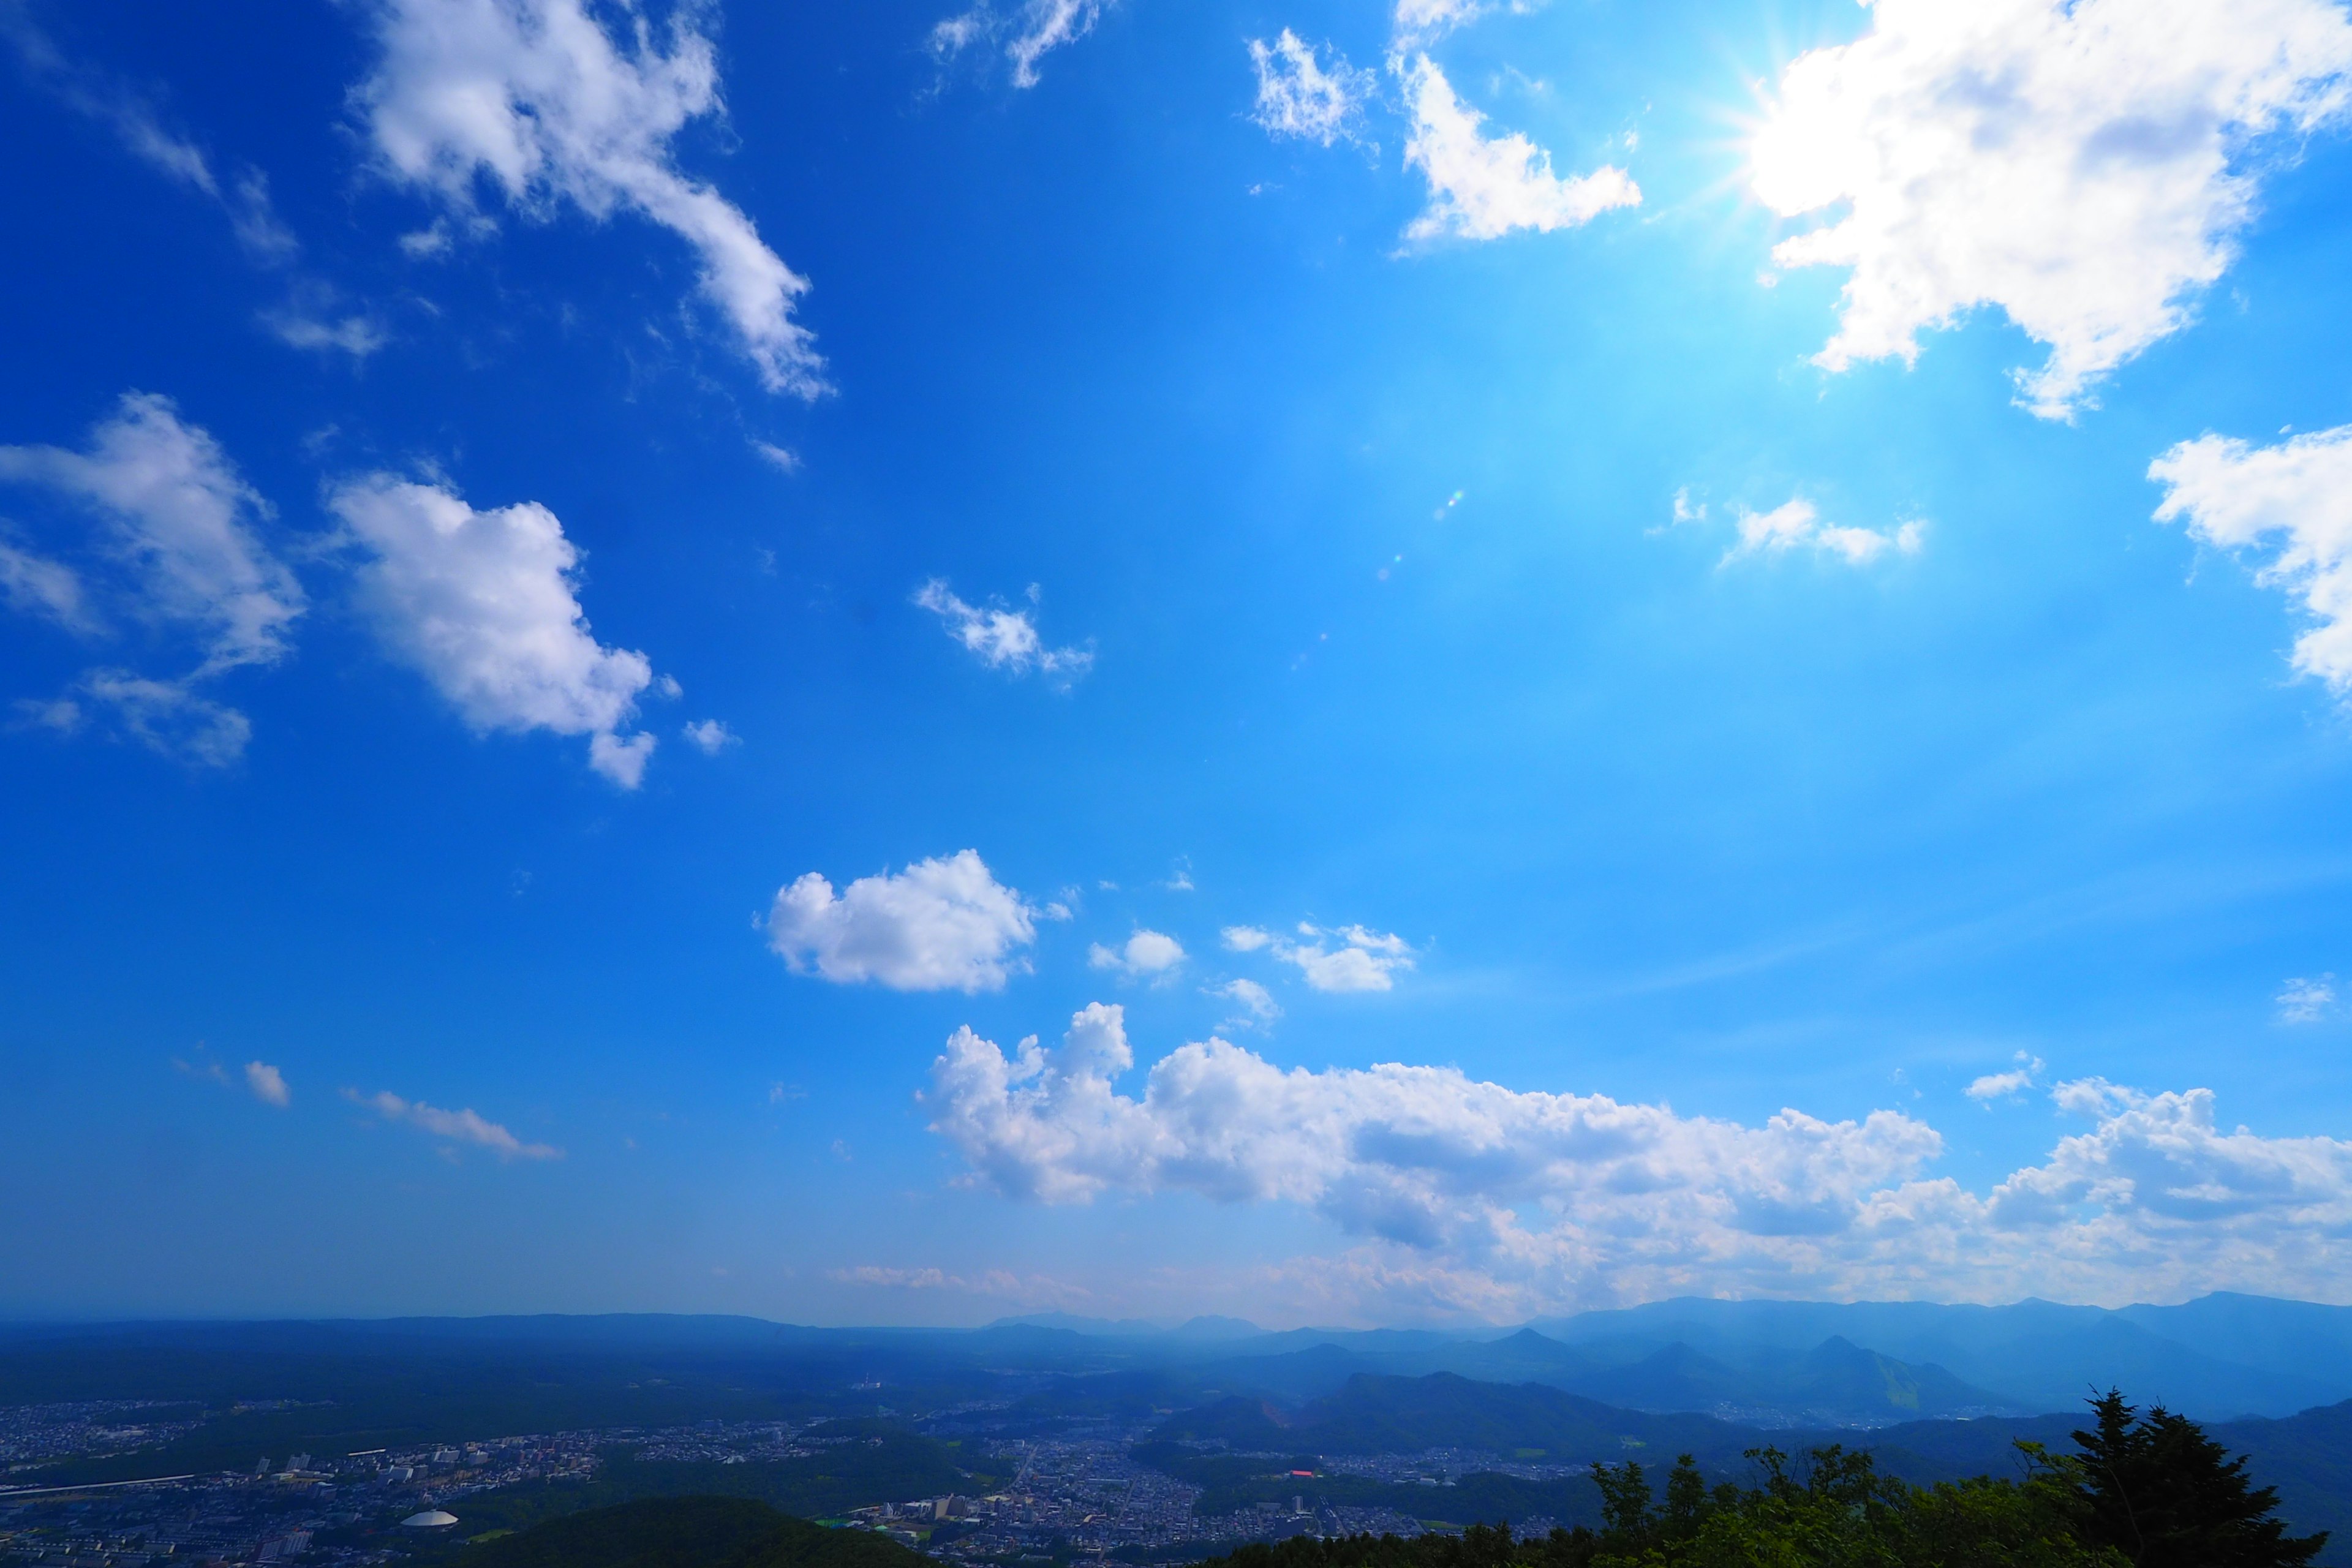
<point x="689" y="1532"/>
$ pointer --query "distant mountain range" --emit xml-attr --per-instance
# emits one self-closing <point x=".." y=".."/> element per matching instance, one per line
<point x="1805" y="1363"/>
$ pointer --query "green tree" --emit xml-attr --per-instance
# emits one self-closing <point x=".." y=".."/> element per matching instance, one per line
<point x="2165" y="1495"/>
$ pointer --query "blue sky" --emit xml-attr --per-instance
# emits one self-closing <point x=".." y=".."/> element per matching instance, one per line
<point x="1563" y="605"/>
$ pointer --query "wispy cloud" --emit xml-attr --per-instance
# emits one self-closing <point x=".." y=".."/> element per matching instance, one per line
<point x="1797" y="525"/>
<point x="2006" y="1085"/>
<point x="1002" y="637"/>
<point x="1342" y="958"/>
<point x="2303" y="1001"/>
<point x="534" y="99"/>
<point x="177" y="545"/>
<point x="1298" y="96"/>
<point x="454" y="1126"/>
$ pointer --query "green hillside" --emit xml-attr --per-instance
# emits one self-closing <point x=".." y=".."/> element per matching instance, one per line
<point x="688" y="1532"/>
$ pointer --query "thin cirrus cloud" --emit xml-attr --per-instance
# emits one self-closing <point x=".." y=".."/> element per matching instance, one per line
<point x="484" y="606"/>
<point x="1796" y="524"/>
<point x="1528" y="1200"/>
<point x="1298" y="96"/>
<point x="1483" y="188"/>
<point x="1340" y="959"/>
<point x="313" y="313"/>
<point x="453" y="1127"/>
<point x="170" y="541"/>
<point x="1001" y="638"/>
<point x="2294" y="500"/>
<point x="534" y="98"/>
<point x="942" y="925"/>
<point x="1028" y="31"/>
<point x="2083" y="167"/>
<point x="2305" y="1000"/>
<point x="1147" y="955"/>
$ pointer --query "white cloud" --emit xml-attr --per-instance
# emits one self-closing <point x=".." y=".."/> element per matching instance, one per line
<point x="944" y="924"/>
<point x="1258" y="1005"/>
<point x="1145" y="952"/>
<point x="177" y="545"/>
<point x="2080" y="164"/>
<point x="1421" y="22"/>
<point x="2006" y="1085"/>
<point x="535" y="99"/>
<point x="267" y="1084"/>
<point x="1002" y="638"/>
<point x="1483" y="188"/>
<point x="1363" y="960"/>
<point x="1507" y="1202"/>
<point x="710" y="737"/>
<point x="783" y="459"/>
<point x="2304" y="1001"/>
<point x="309" y="321"/>
<point x="1031" y="30"/>
<point x="180" y="523"/>
<point x="1297" y="97"/>
<point x="1797" y="524"/>
<point x="2297" y="496"/>
<point x="454" y="1126"/>
<point x="1686" y="510"/>
<point x="484" y="605"/>
<point x="34" y="584"/>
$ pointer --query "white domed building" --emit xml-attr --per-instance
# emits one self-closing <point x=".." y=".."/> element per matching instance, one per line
<point x="431" y="1519"/>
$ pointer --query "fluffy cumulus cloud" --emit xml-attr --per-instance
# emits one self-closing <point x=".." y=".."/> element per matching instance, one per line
<point x="944" y="924"/>
<point x="1147" y="954"/>
<point x="534" y="100"/>
<point x="454" y="1128"/>
<point x="171" y="540"/>
<point x="2292" y="502"/>
<point x="1344" y="958"/>
<point x="2080" y="164"/>
<point x="484" y="606"/>
<point x="1797" y="525"/>
<point x="1027" y="32"/>
<point x="1001" y="638"/>
<point x="1483" y="188"/>
<point x="1299" y="96"/>
<point x="1500" y="1202"/>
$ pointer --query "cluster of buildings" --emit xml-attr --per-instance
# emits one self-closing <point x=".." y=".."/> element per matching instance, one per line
<point x="32" y="1435"/>
<point x="1079" y="1495"/>
<point x="330" y="1512"/>
<point x="1083" y="1497"/>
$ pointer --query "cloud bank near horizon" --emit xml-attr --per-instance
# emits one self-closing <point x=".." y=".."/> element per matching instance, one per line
<point x="1473" y="1199"/>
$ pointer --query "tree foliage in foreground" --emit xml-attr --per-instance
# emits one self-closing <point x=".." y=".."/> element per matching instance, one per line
<point x="2153" y="1493"/>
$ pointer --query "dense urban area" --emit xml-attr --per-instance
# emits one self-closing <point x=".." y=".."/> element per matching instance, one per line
<point x="1076" y="1496"/>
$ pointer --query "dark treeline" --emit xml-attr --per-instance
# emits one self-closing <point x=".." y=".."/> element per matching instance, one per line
<point x="2151" y="1491"/>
